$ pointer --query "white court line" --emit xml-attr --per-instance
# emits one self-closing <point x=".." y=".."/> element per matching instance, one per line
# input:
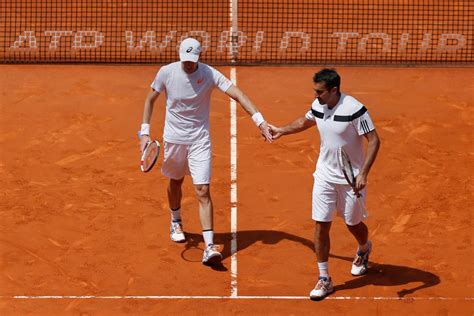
<point x="233" y="188"/>
<point x="180" y="297"/>
<point x="233" y="156"/>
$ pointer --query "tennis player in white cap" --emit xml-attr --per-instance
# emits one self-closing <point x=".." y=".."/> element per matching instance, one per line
<point x="188" y="85"/>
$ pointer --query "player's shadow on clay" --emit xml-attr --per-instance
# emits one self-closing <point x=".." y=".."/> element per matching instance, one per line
<point x="245" y="239"/>
<point x="381" y="274"/>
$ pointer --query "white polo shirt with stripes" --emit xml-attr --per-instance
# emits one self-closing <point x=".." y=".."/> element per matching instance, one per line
<point x="188" y="98"/>
<point x="342" y="126"/>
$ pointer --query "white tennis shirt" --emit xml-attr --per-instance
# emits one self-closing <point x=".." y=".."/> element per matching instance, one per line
<point x="341" y="126"/>
<point x="188" y="98"/>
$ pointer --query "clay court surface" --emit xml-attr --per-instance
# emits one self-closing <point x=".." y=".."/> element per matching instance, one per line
<point x="78" y="218"/>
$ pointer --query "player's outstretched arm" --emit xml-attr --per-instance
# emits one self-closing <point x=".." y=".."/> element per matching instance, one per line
<point x="298" y="125"/>
<point x="147" y="113"/>
<point x="235" y="93"/>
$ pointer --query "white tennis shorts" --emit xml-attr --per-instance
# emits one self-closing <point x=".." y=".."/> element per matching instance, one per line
<point x="195" y="160"/>
<point x="329" y="198"/>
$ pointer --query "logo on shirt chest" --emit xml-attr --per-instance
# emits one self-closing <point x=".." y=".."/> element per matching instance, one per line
<point x="201" y="80"/>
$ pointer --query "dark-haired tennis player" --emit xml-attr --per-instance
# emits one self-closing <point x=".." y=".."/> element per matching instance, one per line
<point x="188" y="85"/>
<point x="342" y="121"/>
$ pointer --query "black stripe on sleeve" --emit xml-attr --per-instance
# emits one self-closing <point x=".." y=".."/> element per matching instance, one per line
<point x="319" y="115"/>
<point x="367" y="126"/>
<point x="359" y="113"/>
<point x="364" y="126"/>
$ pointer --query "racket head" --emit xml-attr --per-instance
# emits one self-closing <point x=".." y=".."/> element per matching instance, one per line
<point x="346" y="166"/>
<point x="150" y="155"/>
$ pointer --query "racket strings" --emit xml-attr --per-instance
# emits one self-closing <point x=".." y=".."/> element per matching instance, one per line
<point x="346" y="167"/>
<point x="150" y="155"/>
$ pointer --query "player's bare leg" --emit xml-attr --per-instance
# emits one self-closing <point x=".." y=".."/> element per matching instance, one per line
<point x="205" y="206"/>
<point x="360" y="232"/>
<point x="361" y="261"/>
<point x="175" y="193"/>
<point x="174" y="199"/>
<point x="322" y="245"/>
<point x="206" y="212"/>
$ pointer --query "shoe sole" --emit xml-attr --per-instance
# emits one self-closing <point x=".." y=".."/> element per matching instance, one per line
<point x="212" y="260"/>
<point x="319" y="298"/>
<point x="179" y="241"/>
<point x="360" y="274"/>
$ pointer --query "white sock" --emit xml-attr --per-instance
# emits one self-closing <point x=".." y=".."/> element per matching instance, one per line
<point x="208" y="236"/>
<point x="175" y="215"/>
<point x="364" y="248"/>
<point x="323" y="269"/>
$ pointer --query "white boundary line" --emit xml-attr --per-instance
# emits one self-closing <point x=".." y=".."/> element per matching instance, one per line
<point x="171" y="297"/>
<point x="233" y="188"/>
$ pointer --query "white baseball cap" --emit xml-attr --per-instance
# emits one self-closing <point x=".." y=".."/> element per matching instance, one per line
<point x="189" y="50"/>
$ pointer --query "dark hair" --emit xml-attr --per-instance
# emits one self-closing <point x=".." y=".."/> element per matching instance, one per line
<point x="330" y="78"/>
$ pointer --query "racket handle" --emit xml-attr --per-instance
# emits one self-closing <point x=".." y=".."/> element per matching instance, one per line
<point x="365" y="214"/>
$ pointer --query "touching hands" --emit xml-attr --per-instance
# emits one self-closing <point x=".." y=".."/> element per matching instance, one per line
<point x="266" y="132"/>
<point x="276" y="132"/>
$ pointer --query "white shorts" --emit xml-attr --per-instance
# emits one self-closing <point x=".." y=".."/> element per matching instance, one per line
<point x="331" y="197"/>
<point x="195" y="160"/>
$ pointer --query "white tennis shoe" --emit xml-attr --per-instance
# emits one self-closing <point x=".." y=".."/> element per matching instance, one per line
<point x="211" y="255"/>
<point x="176" y="232"/>
<point x="322" y="289"/>
<point x="360" y="265"/>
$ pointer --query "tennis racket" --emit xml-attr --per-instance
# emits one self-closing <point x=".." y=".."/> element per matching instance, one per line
<point x="149" y="155"/>
<point x="348" y="172"/>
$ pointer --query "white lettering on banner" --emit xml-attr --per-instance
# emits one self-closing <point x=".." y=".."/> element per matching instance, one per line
<point x="380" y="42"/>
<point x="343" y="38"/>
<point x="387" y="42"/>
<point x="443" y="42"/>
<point x="81" y="36"/>
<point x="257" y="45"/>
<point x="285" y="41"/>
<point x="150" y="39"/>
<point x="225" y="41"/>
<point x="28" y="36"/>
<point x="404" y="42"/>
<point x="205" y="39"/>
<point x="425" y="43"/>
<point x="56" y="36"/>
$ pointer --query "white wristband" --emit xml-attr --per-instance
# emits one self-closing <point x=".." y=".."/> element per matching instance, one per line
<point x="258" y="118"/>
<point x="145" y="130"/>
